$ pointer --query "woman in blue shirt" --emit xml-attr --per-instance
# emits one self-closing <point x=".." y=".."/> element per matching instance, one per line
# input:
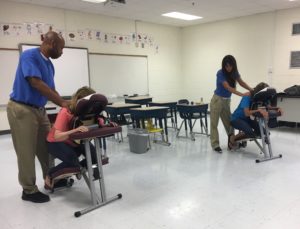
<point x="220" y="102"/>
<point x="241" y="120"/>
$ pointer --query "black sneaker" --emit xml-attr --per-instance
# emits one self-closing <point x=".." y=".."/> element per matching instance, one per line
<point x="96" y="174"/>
<point x="243" y="144"/>
<point x="37" y="197"/>
<point x="218" y="149"/>
<point x="61" y="183"/>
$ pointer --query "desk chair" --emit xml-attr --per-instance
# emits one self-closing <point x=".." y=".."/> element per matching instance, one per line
<point x="183" y="101"/>
<point x="262" y="99"/>
<point x="159" y="113"/>
<point x="153" y="130"/>
<point x="189" y="115"/>
<point x="87" y="113"/>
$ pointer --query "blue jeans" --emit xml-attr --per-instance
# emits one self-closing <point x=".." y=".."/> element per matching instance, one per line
<point x="249" y="127"/>
<point x="68" y="155"/>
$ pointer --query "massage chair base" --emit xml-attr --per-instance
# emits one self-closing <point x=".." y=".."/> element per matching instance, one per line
<point x="97" y="135"/>
<point x="98" y="205"/>
<point x="265" y="145"/>
<point x="268" y="155"/>
<point x="268" y="159"/>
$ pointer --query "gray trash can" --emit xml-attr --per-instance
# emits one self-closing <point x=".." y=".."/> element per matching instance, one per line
<point x="138" y="140"/>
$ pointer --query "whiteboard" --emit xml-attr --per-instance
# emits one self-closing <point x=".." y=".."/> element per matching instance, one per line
<point x="71" y="69"/>
<point x="8" y="66"/>
<point x="117" y="75"/>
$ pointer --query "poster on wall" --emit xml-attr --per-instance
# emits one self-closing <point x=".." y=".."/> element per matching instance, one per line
<point x="82" y="34"/>
<point x="71" y="35"/>
<point x="98" y="35"/>
<point x="138" y="40"/>
<point x="6" y="29"/>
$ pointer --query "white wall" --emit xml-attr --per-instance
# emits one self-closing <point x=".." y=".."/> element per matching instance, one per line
<point x="188" y="58"/>
<point x="261" y="44"/>
<point x="164" y="67"/>
<point x="283" y="76"/>
<point x="249" y="39"/>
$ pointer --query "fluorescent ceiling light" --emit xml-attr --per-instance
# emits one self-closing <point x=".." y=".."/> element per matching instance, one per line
<point x="182" y="16"/>
<point x="94" y="1"/>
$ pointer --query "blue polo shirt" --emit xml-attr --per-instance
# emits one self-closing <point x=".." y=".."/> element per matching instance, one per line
<point x="221" y="90"/>
<point x="32" y="64"/>
<point x="239" y="112"/>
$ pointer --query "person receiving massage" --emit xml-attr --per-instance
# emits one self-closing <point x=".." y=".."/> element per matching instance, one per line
<point x="62" y="147"/>
<point x="241" y="118"/>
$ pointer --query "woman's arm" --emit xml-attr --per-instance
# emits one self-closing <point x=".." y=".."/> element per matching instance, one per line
<point x="278" y="109"/>
<point x="61" y="136"/>
<point x="249" y="112"/>
<point x="233" y="90"/>
<point x="243" y="84"/>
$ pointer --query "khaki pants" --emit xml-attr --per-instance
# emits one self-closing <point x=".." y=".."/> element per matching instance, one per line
<point x="219" y="108"/>
<point x="29" y="128"/>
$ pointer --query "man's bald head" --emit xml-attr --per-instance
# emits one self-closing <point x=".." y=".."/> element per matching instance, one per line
<point x="53" y="44"/>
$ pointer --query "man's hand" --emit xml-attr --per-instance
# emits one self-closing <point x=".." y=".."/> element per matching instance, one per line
<point x="66" y="103"/>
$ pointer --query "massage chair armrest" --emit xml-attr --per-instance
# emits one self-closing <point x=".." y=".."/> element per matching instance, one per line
<point x="274" y="113"/>
<point x="96" y="133"/>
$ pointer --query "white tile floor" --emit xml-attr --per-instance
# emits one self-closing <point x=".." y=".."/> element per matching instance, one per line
<point x="183" y="186"/>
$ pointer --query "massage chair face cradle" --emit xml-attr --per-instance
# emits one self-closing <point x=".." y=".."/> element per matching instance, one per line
<point x="266" y="99"/>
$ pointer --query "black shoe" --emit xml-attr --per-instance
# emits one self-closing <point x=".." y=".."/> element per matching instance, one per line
<point x="243" y="144"/>
<point x="83" y="163"/>
<point x="218" y="149"/>
<point x="96" y="174"/>
<point x="78" y="176"/>
<point x="61" y="183"/>
<point x="37" y="197"/>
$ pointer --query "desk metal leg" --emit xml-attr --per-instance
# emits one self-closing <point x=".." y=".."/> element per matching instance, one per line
<point x="206" y="126"/>
<point x="185" y="127"/>
<point x="166" y="131"/>
<point x="172" y="118"/>
<point x="191" y="129"/>
<point x="175" y="116"/>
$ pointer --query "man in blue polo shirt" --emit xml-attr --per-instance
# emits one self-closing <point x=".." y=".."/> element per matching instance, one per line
<point x="29" y="123"/>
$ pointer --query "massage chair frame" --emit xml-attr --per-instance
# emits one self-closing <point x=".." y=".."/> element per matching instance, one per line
<point x="91" y="107"/>
<point x="96" y="201"/>
<point x="261" y="99"/>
